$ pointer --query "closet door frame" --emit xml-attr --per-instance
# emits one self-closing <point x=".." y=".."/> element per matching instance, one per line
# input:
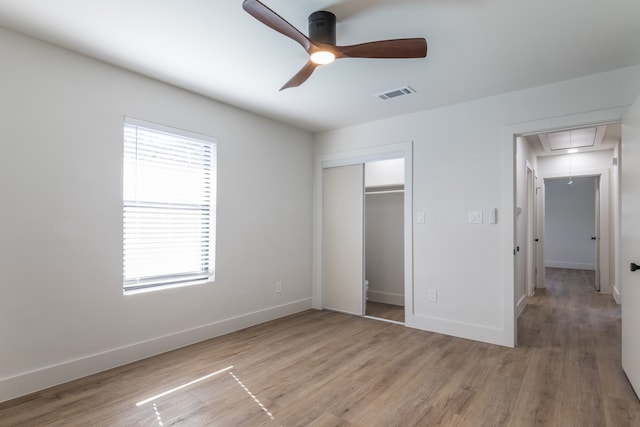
<point x="362" y="156"/>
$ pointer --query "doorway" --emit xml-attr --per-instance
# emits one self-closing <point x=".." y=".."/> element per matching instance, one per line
<point x="384" y="239"/>
<point x="363" y="239"/>
<point x="601" y="242"/>
<point x="571" y="224"/>
<point x="598" y="139"/>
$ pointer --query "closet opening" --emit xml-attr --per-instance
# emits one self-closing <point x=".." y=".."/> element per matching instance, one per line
<point x="362" y="267"/>
<point x="384" y="240"/>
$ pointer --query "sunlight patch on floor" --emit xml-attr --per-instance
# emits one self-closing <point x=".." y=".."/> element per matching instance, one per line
<point x="190" y="383"/>
<point x="255" y="399"/>
<point x="158" y="416"/>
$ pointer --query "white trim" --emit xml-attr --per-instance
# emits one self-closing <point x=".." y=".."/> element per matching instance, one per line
<point x="530" y="231"/>
<point x="385" y="297"/>
<point x="466" y="330"/>
<point x="617" y="295"/>
<point x="168" y="129"/>
<point x="578" y="173"/>
<point x="522" y="303"/>
<point x="509" y="318"/>
<point x="384" y="152"/>
<point x="570" y="265"/>
<point x="48" y="376"/>
<point x="357" y="158"/>
<point x="382" y="319"/>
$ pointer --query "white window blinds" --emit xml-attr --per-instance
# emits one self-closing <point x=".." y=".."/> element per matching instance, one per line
<point x="169" y="206"/>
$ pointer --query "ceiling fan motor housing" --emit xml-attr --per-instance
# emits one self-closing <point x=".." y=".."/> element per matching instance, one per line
<point x="321" y="45"/>
<point x="322" y="27"/>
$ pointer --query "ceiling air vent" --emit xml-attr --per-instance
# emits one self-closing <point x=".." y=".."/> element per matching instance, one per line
<point x="396" y="93"/>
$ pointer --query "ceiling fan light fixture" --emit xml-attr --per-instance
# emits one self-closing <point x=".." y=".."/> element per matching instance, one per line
<point x="321" y="45"/>
<point x="322" y="57"/>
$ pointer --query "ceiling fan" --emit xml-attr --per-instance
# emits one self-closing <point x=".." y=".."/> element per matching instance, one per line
<point x="321" y="43"/>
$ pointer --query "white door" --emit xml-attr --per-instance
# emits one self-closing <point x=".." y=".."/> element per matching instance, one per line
<point x="630" y="244"/>
<point x="344" y="239"/>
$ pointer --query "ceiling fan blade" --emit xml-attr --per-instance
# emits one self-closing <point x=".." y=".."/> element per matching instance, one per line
<point x="396" y="48"/>
<point x="301" y="76"/>
<point x="271" y="19"/>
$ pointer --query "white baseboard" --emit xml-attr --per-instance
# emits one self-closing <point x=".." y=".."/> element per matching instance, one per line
<point x="385" y="297"/>
<point x="45" y="377"/>
<point x="617" y="295"/>
<point x="522" y="303"/>
<point x="469" y="331"/>
<point x="570" y="265"/>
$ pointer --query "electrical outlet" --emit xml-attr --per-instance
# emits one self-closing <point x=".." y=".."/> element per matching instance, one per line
<point x="432" y="295"/>
<point x="279" y="287"/>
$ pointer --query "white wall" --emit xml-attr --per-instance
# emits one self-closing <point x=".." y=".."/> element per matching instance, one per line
<point x="62" y="310"/>
<point x="383" y="173"/>
<point x="384" y="242"/>
<point x="576" y="163"/>
<point x="463" y="157"/>
<point x="384" y="232"/>
<point x="570" y="221"/>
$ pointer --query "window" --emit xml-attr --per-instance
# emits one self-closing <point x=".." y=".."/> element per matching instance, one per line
<point x="169" y="195"/>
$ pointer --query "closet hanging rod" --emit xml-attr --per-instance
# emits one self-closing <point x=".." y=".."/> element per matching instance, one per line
<point x="384" y="189"/>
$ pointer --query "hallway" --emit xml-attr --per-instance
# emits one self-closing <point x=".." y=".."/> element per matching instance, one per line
<point x="573" y="335"/>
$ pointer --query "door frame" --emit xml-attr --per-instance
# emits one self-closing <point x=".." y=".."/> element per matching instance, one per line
<point x="509" y="134"/>
<point x="358" y="156"/>
<point x="602" y="225"/>
<point x="530" y="264"/>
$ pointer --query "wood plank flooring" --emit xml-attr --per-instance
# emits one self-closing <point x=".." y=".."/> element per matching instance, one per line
<point x="385" y="311"/>
<point x="320" y="368"/>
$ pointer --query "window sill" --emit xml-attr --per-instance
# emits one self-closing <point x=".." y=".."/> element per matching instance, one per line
<point x="169" y="286"/>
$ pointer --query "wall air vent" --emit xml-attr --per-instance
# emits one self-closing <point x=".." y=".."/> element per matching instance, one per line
<point x="396" y="93"/>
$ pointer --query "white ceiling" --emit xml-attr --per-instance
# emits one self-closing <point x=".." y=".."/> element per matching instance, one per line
<point x="477" y="48"/>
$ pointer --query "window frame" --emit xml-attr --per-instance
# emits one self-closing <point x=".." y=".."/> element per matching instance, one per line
<point x="207" y="243"/>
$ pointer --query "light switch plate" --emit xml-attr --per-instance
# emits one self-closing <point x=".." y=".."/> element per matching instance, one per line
<point x="475" y="217"/>
<point x="492" y="216"/>
<point x="420" y="217"/>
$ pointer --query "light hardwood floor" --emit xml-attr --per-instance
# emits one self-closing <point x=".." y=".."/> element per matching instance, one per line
<point x="385" y="311"/>
<point x="320" y="368"/>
